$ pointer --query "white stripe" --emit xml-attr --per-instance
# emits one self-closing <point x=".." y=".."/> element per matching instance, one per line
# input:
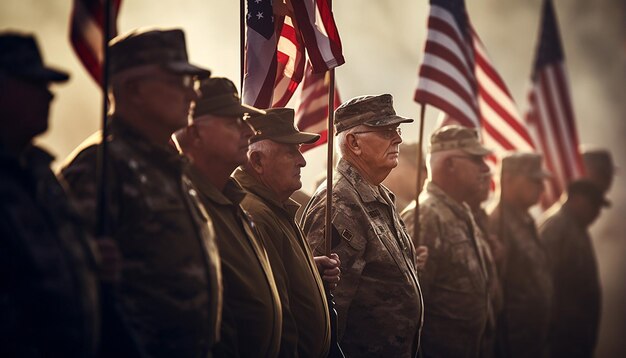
<point x="550" y="150"/>
<point x="497" y="93"/>
<point x="445" y="41"/>
<point x="444" y="66"/>
<point x="449" y="96"/>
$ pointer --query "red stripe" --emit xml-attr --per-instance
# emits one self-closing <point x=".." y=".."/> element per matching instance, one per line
<point x="449" y="30"/>
<point x="497" y="136"/>
<point x="433" y="99"/>
<point x="569" y="117"/>
<point x="308" y="36"/>
<point x="449" y="56"/>
<point x="323" y="140"/>
<point x="264" y="98"/>
<point x="331" y="29"/>
<point x="505" y="117"/>
<point x="449" y="82"/>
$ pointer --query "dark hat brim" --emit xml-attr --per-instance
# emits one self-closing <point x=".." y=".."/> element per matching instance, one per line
<point x="186" y="68"/>
<point x="236" y="110"/>
<point x="297" y="138"/>
<point x="41" y="74"/>
<point x="387" y="121"/>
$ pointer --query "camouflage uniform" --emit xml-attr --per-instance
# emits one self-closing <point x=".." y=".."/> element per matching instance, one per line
<point x="378" y="300"/>
<point x="48" y="287"/>
<point x="302" y="294"/>
<point x="526" y="284"/>
<point x="170" y="290"/>
<point x="252" y="309"/>
<point x="577" y="296"/>
<point x="456" y="278"/>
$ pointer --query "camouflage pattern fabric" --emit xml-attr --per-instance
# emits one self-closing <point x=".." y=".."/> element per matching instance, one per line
<point x="526" y="284"/>
<point x="306" y="325"/>
<point x="253" y="312"/>
<point x="378" y="299"/>
<point x="577" y="294"/>
<point x="170" y="290"/>
<point x="48" y="286"/>
<point x="455" y="280"/>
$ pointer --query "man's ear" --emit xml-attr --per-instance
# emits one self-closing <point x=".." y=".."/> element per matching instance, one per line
<point x="254" y="160"/>
<point x="353" y="144"/>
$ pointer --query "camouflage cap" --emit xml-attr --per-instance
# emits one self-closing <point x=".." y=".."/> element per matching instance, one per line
<point x="457" y="137"/>
<point x="278" y="125"/>
<point x="599" y="161"/>
<point x="588" y="189"/>
<point x="373" y="111"/>
<point x="526" y="164"/>
<point x="20" y="57"/>
<point x="219" y="97"/>
<point x="165" y="48"/>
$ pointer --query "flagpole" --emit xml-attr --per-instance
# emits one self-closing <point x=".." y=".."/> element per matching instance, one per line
<point x="242" y="43"/>
<point x="416" y="213"/>
<point x="329" y="161"/>
<point x="102" y="227"/>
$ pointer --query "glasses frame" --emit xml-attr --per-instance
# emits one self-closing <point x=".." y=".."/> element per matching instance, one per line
<point x="385" y="133"/>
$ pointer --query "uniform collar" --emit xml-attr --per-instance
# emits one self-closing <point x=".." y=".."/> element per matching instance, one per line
<point x="231" y="195"/>
<point x="460" y="209"/>
<point x="251" y="184"/>
<point x="367" y="192"/>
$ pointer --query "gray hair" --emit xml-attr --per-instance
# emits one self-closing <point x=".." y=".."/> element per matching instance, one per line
<point x="434" y="161"/>
<point x="341" y="144"/>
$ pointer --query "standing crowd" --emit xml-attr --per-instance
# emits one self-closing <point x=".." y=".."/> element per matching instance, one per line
<point x="198" y="251"/>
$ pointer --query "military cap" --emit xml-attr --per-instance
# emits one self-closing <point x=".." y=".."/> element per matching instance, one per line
<point x="589" y="190"/>
<point x="278" y="125"/>
<point x="457" y="137"/>
<point x="526" y="164"/>
<point x="599" y="161"/>
<point x="20" y="57"/>
<point x="219" y="97"/>
<point x="165" y="48"/>
<point x="373" y="111"/>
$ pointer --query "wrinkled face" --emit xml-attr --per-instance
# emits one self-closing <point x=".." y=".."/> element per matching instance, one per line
<point x="472" y="173"/>
<point x="380" y="146"/>
<point x="165" y="97"/>
<point x="26" y="105"/>
<point x="281" y="167"/>
<point x="222" y="140"/>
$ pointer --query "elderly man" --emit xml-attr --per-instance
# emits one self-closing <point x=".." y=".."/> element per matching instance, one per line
<point x="378" y="300"/>
<point x="270" y="177"/>
<point x="48" y="287"/>
<point x="577" y="295"/>
<point x="217" y="142"/>
<point x="456" y="279"/>
<point x="170" y="289"/>
<point x="525" y="274"/>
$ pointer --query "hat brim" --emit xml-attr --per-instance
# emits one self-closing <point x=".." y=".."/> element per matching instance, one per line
<point x="238" y="110"/>
<point x="297" y="138"/>
<point x="543" y="174"/>
<point x="186" y="68"/>
<point x="387" y="121"/>
<point x="477" y="150"/>
<point x="42" y="74"/>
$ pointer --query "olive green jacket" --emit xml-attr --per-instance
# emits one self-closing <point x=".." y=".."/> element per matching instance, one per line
<point x="306" y="329"/>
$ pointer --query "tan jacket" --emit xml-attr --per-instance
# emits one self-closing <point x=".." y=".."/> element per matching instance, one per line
<point x="306" y="328"/>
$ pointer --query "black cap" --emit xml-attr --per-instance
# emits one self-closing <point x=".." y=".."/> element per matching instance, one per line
<point x="278" y="125"/>
<point x="220" y="97"/>
<point x="20" y="57"/>
<point x="589" y="190"/>
<point x="373" y="111"/>
<point x="165" y="48"/>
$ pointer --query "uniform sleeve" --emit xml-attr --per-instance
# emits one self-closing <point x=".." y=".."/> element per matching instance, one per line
<point x="349" y="243"/>
<point x="430" y="236"/>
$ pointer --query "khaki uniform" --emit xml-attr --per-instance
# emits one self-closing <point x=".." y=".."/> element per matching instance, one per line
<point x="455" y="280"/>
<point x="526" y="284"/>
<point x="252" y="309"/>
<point x="170" y="290"/>
<point x="48" y="287"/>
<point x="303" y="296"/>
<point x="577" y="295"/>
<point x="378" y="300"/>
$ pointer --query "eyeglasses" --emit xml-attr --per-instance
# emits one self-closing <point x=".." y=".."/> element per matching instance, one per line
<point x="388" y="133"/>
<point x="476" y="159"/>
<point x="182" y="81"/>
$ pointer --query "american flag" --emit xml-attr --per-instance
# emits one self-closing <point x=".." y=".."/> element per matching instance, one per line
<point x="87" y="32"/>
<point x="276" y="43"/>
<point x="312" y="106"/>
<point x="550" y="115"/>
<point x="457" y="76"/>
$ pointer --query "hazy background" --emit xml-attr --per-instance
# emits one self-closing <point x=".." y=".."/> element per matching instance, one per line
<point x="383" y="42"/>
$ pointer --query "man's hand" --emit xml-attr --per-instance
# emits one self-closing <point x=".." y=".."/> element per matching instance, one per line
<point x="421" y="256"/>
<point x="329" y="269"/>
<point x="110" y="265"/>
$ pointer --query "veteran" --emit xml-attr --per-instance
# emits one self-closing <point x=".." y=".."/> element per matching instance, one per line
<point x="378" y="299"/>
<point x="170" y="289"/>
<point x="216" y="142"/>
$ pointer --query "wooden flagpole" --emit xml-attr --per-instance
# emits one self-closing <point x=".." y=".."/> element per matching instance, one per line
<point x="329" y="163"/>
<point x="416" y="213"/>
<point x="242" y="43"/>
